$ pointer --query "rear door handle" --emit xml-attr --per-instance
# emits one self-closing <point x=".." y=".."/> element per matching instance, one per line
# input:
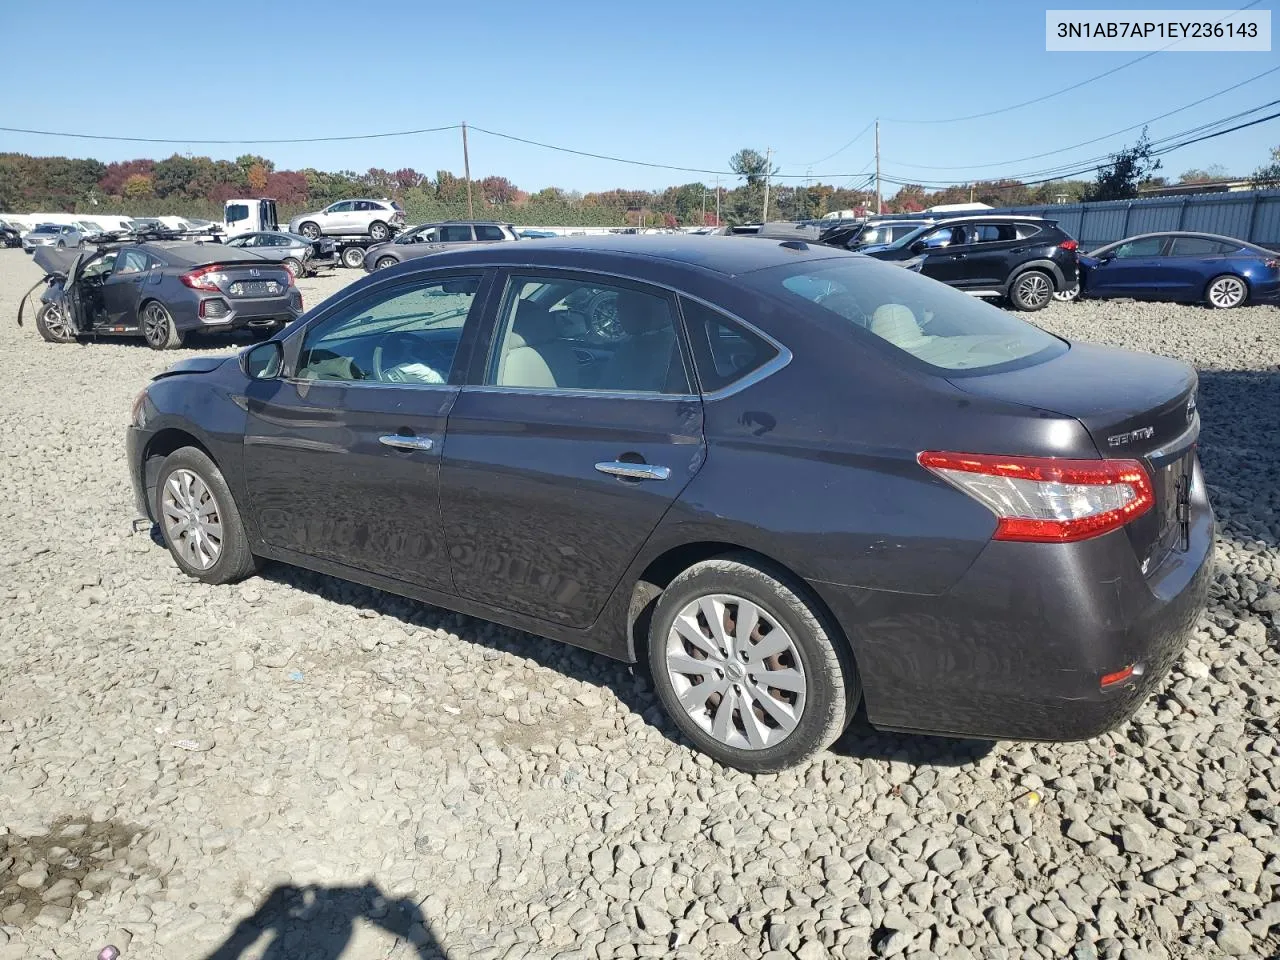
<point x="958" y="256"/>
<point x="406" y="443"/>
<point x="633" y="471"/>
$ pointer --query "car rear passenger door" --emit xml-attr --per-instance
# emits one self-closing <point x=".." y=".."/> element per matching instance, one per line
<point x="342" y="453"/>
<point x="991" y="258"/>
<point x="1192" y="262"/>
<point x="568" y="446"/>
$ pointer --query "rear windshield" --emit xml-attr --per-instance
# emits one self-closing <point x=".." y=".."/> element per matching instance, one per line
<point x="927" y="321"/>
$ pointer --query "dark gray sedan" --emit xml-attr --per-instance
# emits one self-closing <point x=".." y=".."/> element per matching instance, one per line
<point x="161" y="291"/>
<point x="795" y="479"/>
<point x="303" y="257"/>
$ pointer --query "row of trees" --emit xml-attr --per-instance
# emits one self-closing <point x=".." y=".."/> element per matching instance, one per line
<point x="198" y="186"/>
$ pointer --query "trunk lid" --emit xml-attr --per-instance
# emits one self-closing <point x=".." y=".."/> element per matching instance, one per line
<point x="246" y="281"/>
<point x="1135" y="406"/>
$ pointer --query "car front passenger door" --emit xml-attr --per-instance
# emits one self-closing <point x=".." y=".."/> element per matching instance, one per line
<point x="342" y="452"/>
<point x="568" y="448"/>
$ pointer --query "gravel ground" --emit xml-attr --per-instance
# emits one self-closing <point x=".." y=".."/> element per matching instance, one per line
<point x="187" y="769"/>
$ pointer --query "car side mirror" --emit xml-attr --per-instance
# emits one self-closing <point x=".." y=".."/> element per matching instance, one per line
<point x="919" y="247"/>
<point x="263" y="362"/>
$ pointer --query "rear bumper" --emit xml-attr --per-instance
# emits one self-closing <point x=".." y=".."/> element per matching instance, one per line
<point x="1016" y="650"/>
<point x="1267" y="292"/>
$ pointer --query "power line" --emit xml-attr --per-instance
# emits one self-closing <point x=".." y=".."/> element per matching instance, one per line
<point x="1060" y="176"/>
<point x="861" y="134"/>
<point x="1085" y="143"/>
<point x="1074" y="86"/>
<point x="354" y="136"/>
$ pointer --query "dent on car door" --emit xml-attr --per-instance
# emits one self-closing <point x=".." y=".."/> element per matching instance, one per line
<point x="342" y="452"/>
<point x="565" y="453"/>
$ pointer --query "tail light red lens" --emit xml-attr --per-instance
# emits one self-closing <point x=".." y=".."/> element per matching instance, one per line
<point x="201" y="279"/>
<point x="1048" y="499"/>
<point x="1069" y="245"/>
<point x="1271" y="264"/>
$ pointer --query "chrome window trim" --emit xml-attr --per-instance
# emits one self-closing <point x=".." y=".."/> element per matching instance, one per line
<point x="309" y="381"/>
<point x="580" y="393"/>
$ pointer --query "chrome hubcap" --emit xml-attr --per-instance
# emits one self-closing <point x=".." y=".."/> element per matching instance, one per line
<point x="736" y="671"/>
<point x="57" y="323"/>
<point x="1035" y="289"/>
<point x="1226" y="292"/>
<point x="192" y="522"/>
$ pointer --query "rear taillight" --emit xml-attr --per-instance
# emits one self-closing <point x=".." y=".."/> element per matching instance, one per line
<point x="202" y="279"/>
<point x="1271" y="264"/>
<point x="1046" y="499"/>
<point x="1069" y="245"/>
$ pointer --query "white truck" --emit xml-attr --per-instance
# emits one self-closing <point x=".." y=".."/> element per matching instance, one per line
<point x="249" y="216"/>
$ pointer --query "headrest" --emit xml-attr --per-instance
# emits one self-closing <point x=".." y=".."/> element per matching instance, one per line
<point x="639" y="313"/>
<point x="532" y="326"/>
<point x="895" y="323"/>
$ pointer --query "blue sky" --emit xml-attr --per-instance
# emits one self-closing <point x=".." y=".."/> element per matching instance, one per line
<point x="683" y="83"/>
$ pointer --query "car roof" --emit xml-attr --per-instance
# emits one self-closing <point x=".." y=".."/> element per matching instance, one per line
<point x="942" y="221"/>
<point x="620" y="253"/>
<point x="184" y="251"/>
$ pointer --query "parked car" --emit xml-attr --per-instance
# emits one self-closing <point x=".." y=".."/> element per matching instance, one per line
<point x="1187" y="267"/>
<point x="45" y="235"/>
<point x="303" y="257"/>
<point x="883" y="232"/>
<point x="1023" y="259"/>
<point x="797" y="479"/>
<point x="537" y="234"/>
<point x="378" y="219"/>
<point x="10" y="234"/>
<point x="434" y="237"/>
<point x="161" y="291"/>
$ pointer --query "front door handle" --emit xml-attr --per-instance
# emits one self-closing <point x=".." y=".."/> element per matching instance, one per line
<point x="406" y="443"/>
<point x="633" y="471"/>
<point x="958" y="256"/>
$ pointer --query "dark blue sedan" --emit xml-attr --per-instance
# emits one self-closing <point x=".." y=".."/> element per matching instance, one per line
<point x="1188" y="267"/>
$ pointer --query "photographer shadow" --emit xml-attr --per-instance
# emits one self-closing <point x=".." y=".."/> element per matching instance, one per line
<point x="319" y="923"/>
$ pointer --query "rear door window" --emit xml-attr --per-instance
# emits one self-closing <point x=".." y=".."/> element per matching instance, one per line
<point x="995" y="232"/>
<point x="456" y="233"/>
<point x="132" y="261"/>
<point x="487" y="231"/>
<point x="1201" y="247"/>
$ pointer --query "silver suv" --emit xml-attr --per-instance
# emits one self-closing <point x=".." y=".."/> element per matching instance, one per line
<point x="433" y="237"/>
<point x="379" y="219"/>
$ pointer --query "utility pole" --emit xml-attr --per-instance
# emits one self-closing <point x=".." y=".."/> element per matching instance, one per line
<point x="717" y="201"/>
<point x="879" y="200"/>
<point x="768" y="167"/>
<point x="466" y="166"/>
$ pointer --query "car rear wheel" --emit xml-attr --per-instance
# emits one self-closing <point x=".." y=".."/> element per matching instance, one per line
<point x="1031" y="290"/>
<point x="1066" y="296"/>
<point x="746" y="668"/>
<point x="379" y="231"/>
<point x="53" y="325"/>
<point x="310" y="230"/>
<point x="384" y="262"/>
<point x="199" y="519"/>
<point x="1226" y="291"/>
<point x="294" y="266"/>
<point x="353" y="257"/>
<point x="158" y="328"/>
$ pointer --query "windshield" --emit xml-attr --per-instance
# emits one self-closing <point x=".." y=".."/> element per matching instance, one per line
<point x="46" y="228"/>
<point x="926" y="320"/>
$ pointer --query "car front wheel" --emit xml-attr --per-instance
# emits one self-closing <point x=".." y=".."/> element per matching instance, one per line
<point x="53" y="325"/>
<point x="746" y="668"/>
<point x="1226" y="292"/>
<point x="1031" y="290"/>
<point x="199" y="519"/>
<point x="385" y="262"/>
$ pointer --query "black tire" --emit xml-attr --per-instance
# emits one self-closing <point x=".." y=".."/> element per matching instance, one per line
<point x="1226" y="291"/>
<point x="62" y="244"/>
<point x="310" y="230"/>
<point x="831" y="688"/>
<point x="234" y="561"/>
<point x="1031" y="290"/>
<point x="379" y="231"/>
<point x="385" y="262"/>
<point x="158" y="328"/>
<point x="294" y="266"/>
<point x="52" y="326"/>
<point x="353" y="257"/>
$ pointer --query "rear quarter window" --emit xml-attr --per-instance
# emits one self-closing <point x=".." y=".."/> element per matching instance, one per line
<point x="724" y="351"/>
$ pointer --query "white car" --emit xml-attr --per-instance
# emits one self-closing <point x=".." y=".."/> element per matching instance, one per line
<point x="378" y="219"/>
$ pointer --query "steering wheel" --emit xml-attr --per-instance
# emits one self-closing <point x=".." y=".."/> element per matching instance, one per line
<point x="398" y="350"/>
